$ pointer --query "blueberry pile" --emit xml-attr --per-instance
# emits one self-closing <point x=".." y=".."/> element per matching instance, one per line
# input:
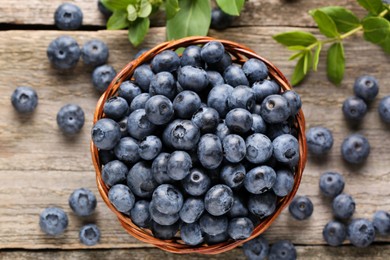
<point x="198" y="143"/>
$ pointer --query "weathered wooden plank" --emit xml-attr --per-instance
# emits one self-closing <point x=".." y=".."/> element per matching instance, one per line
<point x="256" y="12"/>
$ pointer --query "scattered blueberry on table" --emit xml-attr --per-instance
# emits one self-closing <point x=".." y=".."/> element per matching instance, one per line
<point x="24" y="99"/>
<point x="334" y="233"/>
<point x="68" y="16"/>
<point x="70" y="119"/>
<point x="83" y="202"/>
<point x="63" y="52"/>
<point x="53" y="221"/>
<point x="301" y="207"/>
<point x="94" y="52"/>
<point x="89" y="235"/>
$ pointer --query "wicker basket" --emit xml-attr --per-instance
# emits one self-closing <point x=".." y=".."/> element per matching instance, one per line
<point x="240" y="54"/>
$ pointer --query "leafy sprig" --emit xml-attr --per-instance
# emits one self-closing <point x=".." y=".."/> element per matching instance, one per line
<point x="336" y="24"/>
<point x="184" y="17"/>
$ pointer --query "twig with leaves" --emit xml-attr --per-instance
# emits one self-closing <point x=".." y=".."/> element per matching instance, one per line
<point x="336" y="24"/>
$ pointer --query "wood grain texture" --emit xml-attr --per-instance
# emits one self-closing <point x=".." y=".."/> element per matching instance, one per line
<point x="255" y="13"/>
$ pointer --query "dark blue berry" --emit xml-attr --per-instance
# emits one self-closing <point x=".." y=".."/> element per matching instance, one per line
<point x="241" y="97"/>
<point x="240" y="228"/>
<point x="104" y="10"/>
<point x="282" y="250"/>
<point x="286" y="149"/>
<point x="159" y="110"/>
<point x="334" y="233"/>
<point x="239" y="120"/>
<point x="150" y="147"/>
<point x="262" y="205"/>
<point x="255" y="70"/>
<point x="165" y="61"/>
<point x="89" y="235"/>
<point x="191" y="234"/>
<point x="206" y="119"/>
<point x="301" y="207"/>
<point x="233" y="175"/>
<point x="366" y="87"/>
<point x="114" y="172"/>
<point x="139" y="101"/>
<point x="161" y="218"/>
<point x="354" y="108"/>
<point x="384" y="109"/>
<point x="381" y="221"/>
<point x="215" y="78"/>
<point x="331" y="184"/>
<point x="181" y="134"/>
<point x="234" y="148"/>
<point x="24" y="99"/>
<point x="143" y="76"/>
<point x="256" y="249"/>
<point x="167" y="199"/>
<point x="258" y="125"/>
<point x="319" y="140"/>
<point x="294" y="101"/>
<point x="218" y="98"/>
<point x="82" y="201"/>
<point x="219" y="19"/>
<point x="218" y="200"/>
<point x="355" y="148"/>
<point x="343" y="206"/>
<point x="63" y="52"/>
<point x="140" y="180"/>
<point x="163" y="83"/>
<point x="165" y="232"/>
<point x="138" y="124"/>
<point x="191" y="57"/>
<point x="102" y="77"/>
<point x="140" y="215"/>
<point x="284" y="182"/>
<point x="222" y="130"/>
<point x="53" y="221"/>
<point x="222" y="64"/>
<point x="192" y="78"/>
<point x="235" y="76"/>
<point x="212" y="52"/>
<point x="258" y="148"/>
<point x="106" y="134"/>
<point x="192" y="210"/>
<point x="121" y="197"/>
<point x="127" y="150"/>
<point x="179" y="165"/>
<point x="196" y="183"/>
<point x="361" y="232"/>
<point x="213" y="225"/>
<point x="94" y="53"/>
<point x="275" y="109"/>
<point x="70" y="119"/>
<point x="260" y="179"/>
<point x="275" y="130"/>
<point x="116" y="108"/>
<point x="264" y="89"/>
<point x="210" y="151"/>
<point x="210" y="239"/>
<point x="68" y="17"/>
<point x="186" y="103"/>
<point x="160" y="170"/>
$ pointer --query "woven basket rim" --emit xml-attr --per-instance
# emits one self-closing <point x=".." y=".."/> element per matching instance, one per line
<point x="240" y="53"/>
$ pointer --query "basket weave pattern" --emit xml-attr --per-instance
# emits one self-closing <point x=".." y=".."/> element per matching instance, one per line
<point x="240" y="54"/>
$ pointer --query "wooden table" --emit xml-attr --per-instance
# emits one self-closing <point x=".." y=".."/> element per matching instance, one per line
<point x="40" y="167"/>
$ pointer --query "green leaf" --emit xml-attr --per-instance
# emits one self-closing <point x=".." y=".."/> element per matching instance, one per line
<point x="336" y="62"/>
<point x="344" y="19"/>
<point x="316" y="57"/>
<point x="232" y="7"/>
<point x="296" y="55"/>
<point x="373" y="6"/>
<point x="377" y="30"/>
<point x="145" y="9"/>
<point x="118" y="20"/>
<point x="114" y="5"/>
<point x="171" y="8"/>
<point x="307" y="61"/>
<point x="326" y="25"/>
<point x="193" y="18"/>
<point x="295" y="38"/>
<point x="296" y="48"/>
<point x="138" y="29"/>
<point x="131" y="13"/>
<point x="298" y="74"/>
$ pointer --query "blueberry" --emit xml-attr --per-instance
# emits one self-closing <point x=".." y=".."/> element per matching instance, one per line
<point x="141" y="181"/>
<point x="191" y="57"/>
<point x="167" y="199"/>
<point x="192" y="78"/>
<point x="104" y="10"/>
<point x="140" y="52"/>
<point x="239" y="120"/>
<point x="284" y="182"/>
<point x="238" y="209"/>
<point x="121" y="197"/>
<point x="221" y="65"/>
<point x="196" y="183"/>
<point x="102" y="77"/>
<point x="114" y="172"/>
<point x="206" y="119"/>
<point x="191" y="234"/>
<point x="24" y="99"/>
<point x="215" y="78"/>
<point x="264" y="89"/>
<point x="222" y="130"/>
<point x="258" y="148"/>
<point x="82" y="201"/>
<point x="361" y="232"/>
<point x="192" y="210"/>
<point x="262" y="205"/>
<point x="138" y="124"/>
<point x="165" y="232"/>
<point x="159" y="168"/>
<point x="213" y="225"/>
<point x="53" y="221"/>
<point x="234" y="148"/>
<point x="260" y="179"/>
<point x="210" y="152"/>
<point x="165" y="61"/>
<point x="331" y="184"/>
<point x="186" y="103"/>
<point x="106" y="156"/>
<point x="179" y="165"/>
<point x="240" y="228"/>
<point x="150" y="147"/>
<point x="163" y="83"/>
<point x="381" y="221"/>
<point x="159" y="110"/>
<point x="294" y="101"/>
<point x="218" y="98"/>
<point x="210" y="239"/>
<point x="127" y="150"/>
<point x="212" y="52"/>
<point x="256" y="249"/>
<point x="89" y="235"/>
<point x="343" y="206"/>
<point x="286" y="149"/>
<point x="219" y="19"/>
<point x="354" y="108"/>
<point x="384" y="109"/>
<point x="275" y="109"/>
<point x="106" y="134"/>
<point x="94" y="53"/>
<point x="235" y="76"/>
<point x="366" y="87"/>
<point x="241" y="97"/>
<point x="258" y="125"/>
<point x="282" y="250"/>
<point x="140" y="215"/>
<point x="63" y="52"/>
<point x="218" y="200"/>
<point x="334" y="233"/>
<point x="255" y="70"/>
<point x="275" y="130"/>
<point x="355" y="149"/>
<point x="161" y="218"/>
<point x="70" y="119"/>
<point x="139" y="101"/>
<point x="319" y="140"/>
<point x="301" y="207"/>
<point x="68" y="17"/>
<point x="115" y="108"/>
<point x="181" y="134"/>
<point x="143" y="76"/>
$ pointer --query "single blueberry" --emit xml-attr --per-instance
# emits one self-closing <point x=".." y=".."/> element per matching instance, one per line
<point x="114" y="172"/>
<point x="24" y="99"/>
<point x="219" y="19"/>
<point x="206" y="119"/>
<point x="53" y="221"/>
<point x="94" y="52"/>
<point x="143" y="76"/>
<point x="82" y="201"/>
<point x="218" y="200"/>
<point x="361" y="232"/>
<point x="165" y="232"/>
<point x="191" y="57"/>
<point x="233" y="175"/>
<point x="260" y="179"/>
<point x="140" y="215"/>
<point x="366" y="87"/>
<point x="179" y="165"/>
<point x="235" y="76"/>
<point x="384" y="109"/>
<point x="238" y="209"/>
<point x="264" y="89"/>
<point x="192" y="209"/>
<point x="259" y="148"/>
<point x="286" y="149"/>
<point x="222" y="64"/>
<point x="140" y="180"/>
<point x="282" y="250"/>
<point x="163" y="83"/>
<point x="181" y="135"/>
<point x="165" y="61"/>
<point x="334" y="233"/>
<point x="139" y="101"/>
<point x="240" y="228"/>
<point x="294" y="101"/>
<point x="284" y="182"/>
<point x="241" y="97"/>
<point x="262" y="205"/>
<point x="115" y="108"/>
<point x="234" y="148"/>
<point x="106" y="134"/>
<point x="121" y="197"/>
<point x="63" y="52"/>
<point x="255" y="70"/>
<point x="138" y="124"/>
<point x="127" y="150"/>
<point x="256" y="249"/>
<point x="70" y="119"/>
<point x="162" y="218"/>
<point x="301" y="207"/>
<point x="102" y="77"/>
<point x="215" y="78"/>
<point x="381" y="221"/>
<point x="89" y="235"/>
<point x="210" y="151"/>
<point x="160" y="170"/>
<point x="258" y="125"/>
<point x="213" y="225"/>
<point x="159" y="110"/>
<point x="239" y="120"/>
<point x="196" y="183"/>
<point x="218" y="98"/>
<point x="212" y="52"/>
<point x="319" y="140"/>
<point x="191" y="234"/>
<point x="343" y="206"/>
<point x="186" y="103"/>
<point x="275" y="109"/>
<point x="68" y="16"/>
<point x="167" y="199"/>
<point x="222" y="130"/>
<point x="192" y="78"/>
<point x="355" y="148"/>
<point x="150" y="147"/>
<point x="354" y="108"/>
<point x="331" y="184"/>
<point x="216" y="239"/>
